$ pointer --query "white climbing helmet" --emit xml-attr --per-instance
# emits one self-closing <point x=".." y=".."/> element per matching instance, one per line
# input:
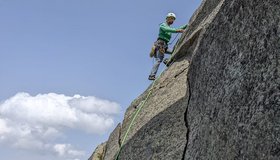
<point x="171" y="15"/>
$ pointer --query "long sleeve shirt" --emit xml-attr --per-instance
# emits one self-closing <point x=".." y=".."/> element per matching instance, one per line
<point x="165" y="31"/>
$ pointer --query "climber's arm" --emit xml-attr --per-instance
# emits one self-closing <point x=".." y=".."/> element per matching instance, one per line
<point x="184" y="26"/>
<point x="166" y="28"/>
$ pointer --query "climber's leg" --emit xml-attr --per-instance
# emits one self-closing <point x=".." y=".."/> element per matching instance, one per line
<point x="159" y="57"/>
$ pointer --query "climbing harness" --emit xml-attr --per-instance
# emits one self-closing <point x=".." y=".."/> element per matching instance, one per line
<point x="159" y="45"/>
<point x="135" y="115"/>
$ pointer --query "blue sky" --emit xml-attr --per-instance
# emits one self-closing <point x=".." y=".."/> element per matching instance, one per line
<point x="70" y="68"/>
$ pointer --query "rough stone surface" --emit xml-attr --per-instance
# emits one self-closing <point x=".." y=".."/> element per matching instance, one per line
<point x="168" y="89"/>
<point x="113" y="144"/>
<point x="198" y="24"/>
<point x="163" y="137"/>
<point x="234" y="109"/>
<point x="99" y="152"/>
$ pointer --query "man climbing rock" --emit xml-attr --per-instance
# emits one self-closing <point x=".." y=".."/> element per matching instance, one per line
<point x="164" y="37"/>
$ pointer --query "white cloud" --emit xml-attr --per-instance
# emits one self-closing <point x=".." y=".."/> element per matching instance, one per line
<point x="3" y="127"/>
<point x="100" y="106"/>
<point x="85" y="113"/>
<point x="36" y="122"/>
<point x="67" y="150"/>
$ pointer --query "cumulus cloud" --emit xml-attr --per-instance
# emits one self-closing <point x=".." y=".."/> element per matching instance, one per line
<point x="67" y="150"/>
<point x="35" y="122"/>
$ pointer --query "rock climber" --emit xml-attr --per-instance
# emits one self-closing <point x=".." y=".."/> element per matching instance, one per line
<point x="161" y="45"/>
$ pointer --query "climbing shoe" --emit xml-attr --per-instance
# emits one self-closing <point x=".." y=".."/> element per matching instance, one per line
<point x="152" y="77"/>
<point x="165" y="61"/>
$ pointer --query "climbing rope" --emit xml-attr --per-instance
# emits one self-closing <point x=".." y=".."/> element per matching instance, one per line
<point x="173" y="39"/>
<point x="135" y="115"/>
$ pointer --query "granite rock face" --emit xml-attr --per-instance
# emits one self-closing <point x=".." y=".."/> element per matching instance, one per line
<point x="99" y="152"/>
<point x="113" y="144"/>
<point x="234" y="107"/>
<point x="160" y="126"/>
<point x="220" y="96"/>
<point x="163" y="137"/>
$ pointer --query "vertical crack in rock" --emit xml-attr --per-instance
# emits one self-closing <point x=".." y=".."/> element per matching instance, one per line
<point x="119" y="139"/>
<point x="186" y="119"/>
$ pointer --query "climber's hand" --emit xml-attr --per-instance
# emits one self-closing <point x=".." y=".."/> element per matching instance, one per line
<point x="180" y="30"/>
